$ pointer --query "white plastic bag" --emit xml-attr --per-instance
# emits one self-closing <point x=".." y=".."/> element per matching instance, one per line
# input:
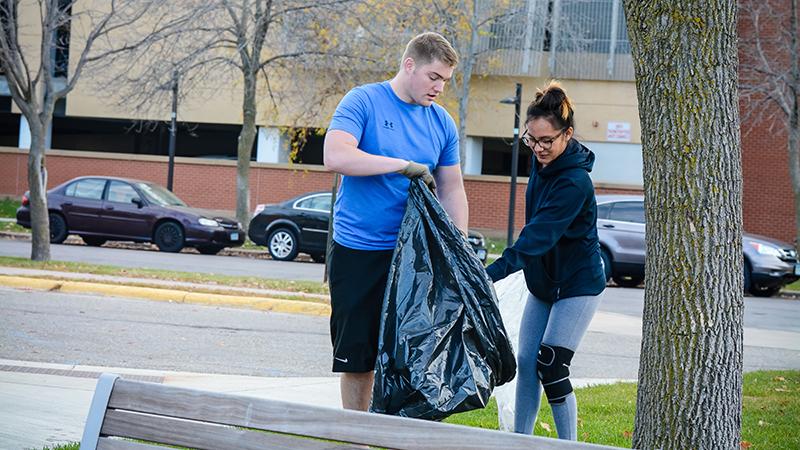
<point x="512" y="294"/>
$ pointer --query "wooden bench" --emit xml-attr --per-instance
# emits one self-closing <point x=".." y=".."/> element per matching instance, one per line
<point x="134" y="415"/>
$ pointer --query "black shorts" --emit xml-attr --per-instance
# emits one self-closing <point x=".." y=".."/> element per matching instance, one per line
<point x="357" y="282"/>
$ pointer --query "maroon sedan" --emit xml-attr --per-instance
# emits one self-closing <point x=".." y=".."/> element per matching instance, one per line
<point x="101" y="209"/>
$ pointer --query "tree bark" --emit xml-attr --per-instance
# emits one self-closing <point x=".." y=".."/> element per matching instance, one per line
<point x="245" y="148"/>
<point x="690" y="373"/>
<point x="37" y="191"/>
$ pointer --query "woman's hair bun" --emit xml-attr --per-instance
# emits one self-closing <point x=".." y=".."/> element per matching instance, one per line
<point x="552" y="100"/>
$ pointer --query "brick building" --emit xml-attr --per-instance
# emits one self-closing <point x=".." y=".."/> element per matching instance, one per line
<point x="94" y="135"/>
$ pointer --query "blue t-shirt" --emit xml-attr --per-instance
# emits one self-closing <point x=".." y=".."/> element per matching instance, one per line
<point x="369" y="209"/>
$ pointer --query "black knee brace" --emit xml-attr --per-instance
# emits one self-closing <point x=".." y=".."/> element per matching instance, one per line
<point x="553" y="370"/>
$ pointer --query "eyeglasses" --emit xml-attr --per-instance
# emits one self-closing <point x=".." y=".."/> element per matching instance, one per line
<point x="545" y="143"/>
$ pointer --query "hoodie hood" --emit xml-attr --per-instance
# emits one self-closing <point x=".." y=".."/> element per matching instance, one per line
<point x="574" y="156"/>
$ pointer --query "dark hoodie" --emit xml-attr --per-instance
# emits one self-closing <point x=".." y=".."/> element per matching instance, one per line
<point x="558" y="248"/>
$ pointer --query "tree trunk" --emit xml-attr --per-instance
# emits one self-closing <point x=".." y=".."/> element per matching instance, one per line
<point x="690" y="372"/>
<point x="246" y="138"/>
<point x="37" y="187"/>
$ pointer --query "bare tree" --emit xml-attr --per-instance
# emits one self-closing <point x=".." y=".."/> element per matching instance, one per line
<point x="284" y="54"/>
<point x="690" y="372"/>
<point x="770" y="77"/>
<point x="36" y="84"/>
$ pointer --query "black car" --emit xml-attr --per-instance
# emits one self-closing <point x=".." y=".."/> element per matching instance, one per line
<point x="300" y="225"/>
<point x="101" y="209"/>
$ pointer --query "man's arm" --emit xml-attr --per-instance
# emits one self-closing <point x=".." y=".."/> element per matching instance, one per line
<point x="342" y="155"/>
<point x="452" y="196"/>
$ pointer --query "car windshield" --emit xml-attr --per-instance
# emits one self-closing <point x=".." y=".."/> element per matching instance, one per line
<point x="159" y="195"/>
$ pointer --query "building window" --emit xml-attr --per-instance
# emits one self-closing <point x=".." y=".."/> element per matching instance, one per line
<point x="497" y="157"/>
<point x="306" y="145"/>
<point x="217" y="141"/>
<point x="61" y="44"/>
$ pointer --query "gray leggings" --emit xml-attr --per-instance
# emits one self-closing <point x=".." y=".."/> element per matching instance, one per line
<point x="559" y="324"/>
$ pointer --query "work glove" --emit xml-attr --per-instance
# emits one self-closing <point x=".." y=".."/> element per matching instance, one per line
<point x="416" y="170"/>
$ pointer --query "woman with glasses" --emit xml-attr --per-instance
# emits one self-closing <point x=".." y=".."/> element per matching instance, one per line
<point x="559" y="252"/>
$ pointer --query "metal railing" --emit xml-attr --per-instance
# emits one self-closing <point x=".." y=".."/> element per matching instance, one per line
<point x="578" y="39"/>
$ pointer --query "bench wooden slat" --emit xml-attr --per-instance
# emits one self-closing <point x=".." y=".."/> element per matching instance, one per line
<point x="105" y="443"/>
<point x="325" y="423"/>
<point x="184" y="433"/>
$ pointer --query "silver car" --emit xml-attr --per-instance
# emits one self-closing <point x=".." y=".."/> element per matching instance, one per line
<point x="769" y="264"/>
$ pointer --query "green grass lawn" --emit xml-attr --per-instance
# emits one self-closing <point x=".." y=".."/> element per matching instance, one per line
<point x="309" y="287"/>
<point x="793" y="286"/>
<point x="771" y="407"/>
<point x="70" y="446"/>
<point x="8" y="207"/>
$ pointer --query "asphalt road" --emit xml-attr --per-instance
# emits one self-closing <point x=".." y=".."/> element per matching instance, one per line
<point x="184" y="262"/>
<point x="106" y="331"/>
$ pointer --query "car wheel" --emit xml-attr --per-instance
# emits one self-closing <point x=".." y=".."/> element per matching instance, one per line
<point x="759" y="291"/>
<point x="209" y="249"/>
<point x="169" y="237"/>
<point x="628" y="282"/>
<point x="282" y="244"/>
<point x="318" y="257"/>
<point x="606" y="263"/>
<point x="58" y="228"/>
<point x="94" y="241"/>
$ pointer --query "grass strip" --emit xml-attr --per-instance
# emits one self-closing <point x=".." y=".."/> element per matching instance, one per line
<point x="309" y="287"/>
<point x="770" y="408"/>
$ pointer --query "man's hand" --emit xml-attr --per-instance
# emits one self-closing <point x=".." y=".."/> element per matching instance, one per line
<point x="416" y="170"/>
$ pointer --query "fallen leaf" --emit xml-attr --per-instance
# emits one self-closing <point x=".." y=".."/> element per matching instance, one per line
<point x="745" y="444"/>
<point x="585" y="436"/>
<point x="627" y="434"/>
<point x="761" y="423"/>
<point x="546" y="426"/>
<point x="781" y="390"/>
<point x="779" y="379"/>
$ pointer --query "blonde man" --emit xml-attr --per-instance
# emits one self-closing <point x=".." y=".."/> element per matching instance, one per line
<point x="381" y="136"/>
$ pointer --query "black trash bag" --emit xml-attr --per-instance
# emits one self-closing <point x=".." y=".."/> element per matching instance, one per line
<point x="442" y="346"/>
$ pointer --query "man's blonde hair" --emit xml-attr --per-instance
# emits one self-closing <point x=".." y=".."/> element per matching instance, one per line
<point x="430" y="46"/>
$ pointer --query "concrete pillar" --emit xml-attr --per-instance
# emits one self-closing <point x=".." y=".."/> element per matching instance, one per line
<point x="474" y="156"/>
<point x="272" y="146"/>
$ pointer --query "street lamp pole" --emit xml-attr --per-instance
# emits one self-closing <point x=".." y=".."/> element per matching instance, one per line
<point x="512" y="197"/>
<point x="173" y="131"/>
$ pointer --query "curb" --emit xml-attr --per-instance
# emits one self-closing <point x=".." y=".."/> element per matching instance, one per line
<point x="169" y="295"/>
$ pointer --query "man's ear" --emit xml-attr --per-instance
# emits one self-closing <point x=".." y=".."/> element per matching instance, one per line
<point x="409" y="65"/>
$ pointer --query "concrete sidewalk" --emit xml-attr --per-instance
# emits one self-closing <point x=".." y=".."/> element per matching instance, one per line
<point x="46" y="404"/>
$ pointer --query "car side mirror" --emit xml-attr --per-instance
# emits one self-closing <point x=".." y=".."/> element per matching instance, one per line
<point x="137" y="201"/>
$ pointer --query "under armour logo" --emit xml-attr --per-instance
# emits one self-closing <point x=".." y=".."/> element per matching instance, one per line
<point x="388" y="125"/>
